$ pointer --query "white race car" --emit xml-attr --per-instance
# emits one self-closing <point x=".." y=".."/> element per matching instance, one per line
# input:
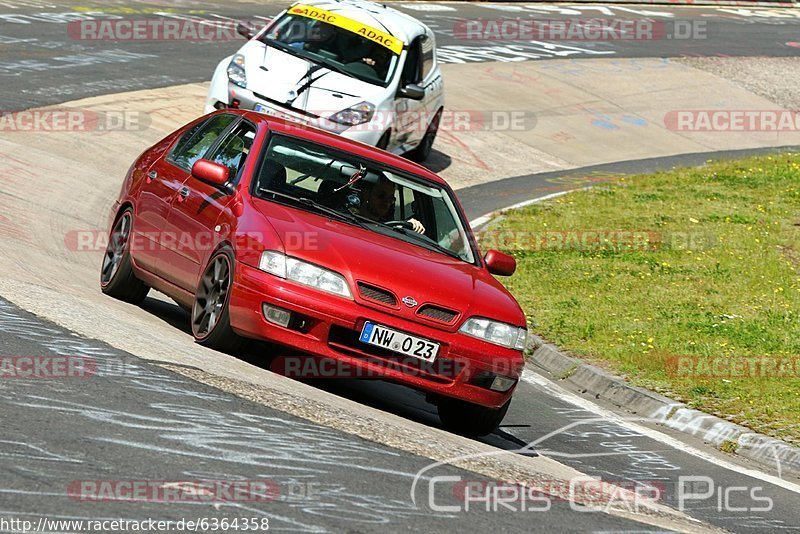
<point x="357" y="68"/>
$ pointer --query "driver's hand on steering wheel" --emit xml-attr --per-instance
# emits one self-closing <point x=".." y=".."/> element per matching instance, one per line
<point x="417" y="226"/>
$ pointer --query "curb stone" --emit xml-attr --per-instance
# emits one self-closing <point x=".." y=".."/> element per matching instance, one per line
<point x="729" y="437"/>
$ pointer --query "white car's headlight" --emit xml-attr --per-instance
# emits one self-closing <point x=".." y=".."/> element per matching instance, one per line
<point x="512" y="337"/>
<point x="236" y="72"/>
<point x="358" y="114"/>
<point x="304" y="273"/>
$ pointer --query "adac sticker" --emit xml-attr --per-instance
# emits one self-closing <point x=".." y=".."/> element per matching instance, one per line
<point x="368" y="32"/>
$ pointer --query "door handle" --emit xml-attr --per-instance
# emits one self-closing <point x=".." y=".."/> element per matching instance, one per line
<point x="183" y="194"/>
<point x="152" y="175"/>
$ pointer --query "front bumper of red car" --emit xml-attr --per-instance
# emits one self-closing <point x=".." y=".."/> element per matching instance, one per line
<point x="328" y="326"/>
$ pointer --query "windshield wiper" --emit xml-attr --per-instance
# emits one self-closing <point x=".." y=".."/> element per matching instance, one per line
<point x="293" y="51"/>
<point x="283" y="47"/>
<point x="425" y="240"/>
<point x="341" y="215"/>
<point x="332" y="66"/>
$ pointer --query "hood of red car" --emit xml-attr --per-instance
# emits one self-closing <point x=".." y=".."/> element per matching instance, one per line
<point x="405" y="269"/>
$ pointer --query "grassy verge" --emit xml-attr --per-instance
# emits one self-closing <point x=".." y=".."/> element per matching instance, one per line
<point x="686" y="282"/>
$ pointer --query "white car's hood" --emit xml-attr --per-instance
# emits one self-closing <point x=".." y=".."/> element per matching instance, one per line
<point x="280" y="76"/>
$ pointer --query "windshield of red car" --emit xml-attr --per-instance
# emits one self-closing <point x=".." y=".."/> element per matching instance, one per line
<point x="351" y="186"/>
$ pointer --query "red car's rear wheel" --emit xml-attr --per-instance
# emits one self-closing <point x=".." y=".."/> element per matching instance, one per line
<point x="117" y="278"/>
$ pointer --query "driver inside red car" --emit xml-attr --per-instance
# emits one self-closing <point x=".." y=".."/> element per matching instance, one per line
<point x="378" y="200"/>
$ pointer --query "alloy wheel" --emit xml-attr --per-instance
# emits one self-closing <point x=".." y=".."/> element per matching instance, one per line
<point x="212" y="296"/>
<point x="115" y="251"/>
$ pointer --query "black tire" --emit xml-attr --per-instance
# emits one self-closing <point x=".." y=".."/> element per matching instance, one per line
<point x="117" y="278"/>
<point x="423" y="150"/>
<point x="211" y="324"/>
<point x="470" y="419"/>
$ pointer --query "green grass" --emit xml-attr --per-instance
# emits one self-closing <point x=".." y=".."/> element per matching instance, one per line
<point x="712" y="269"/>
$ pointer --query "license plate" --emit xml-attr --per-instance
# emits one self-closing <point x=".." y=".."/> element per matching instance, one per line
<point x="387" y="338"/>
<point x="261" y="108"/>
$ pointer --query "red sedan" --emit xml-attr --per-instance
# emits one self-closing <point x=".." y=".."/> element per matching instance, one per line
<point x="269" y="230"/>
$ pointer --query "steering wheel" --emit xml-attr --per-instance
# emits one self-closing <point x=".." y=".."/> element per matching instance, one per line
<point x="408" y="225"/>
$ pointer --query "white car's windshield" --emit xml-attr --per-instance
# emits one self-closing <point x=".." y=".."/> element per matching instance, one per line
<point x="364" y="193"/>
<point x="338" y="48"/>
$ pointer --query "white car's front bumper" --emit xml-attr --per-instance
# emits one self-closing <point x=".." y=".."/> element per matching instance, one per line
<point x="369" y="133"/>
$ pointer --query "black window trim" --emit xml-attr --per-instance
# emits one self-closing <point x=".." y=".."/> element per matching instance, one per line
<point x="422" y="57"/>
<point x="237" y="119"/>
<point x="228" y="131"/>
<point x="414" y="45"/>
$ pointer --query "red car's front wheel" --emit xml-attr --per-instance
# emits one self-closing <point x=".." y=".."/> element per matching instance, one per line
<point x="470" y="419"/>
<point x="211" y="325"/>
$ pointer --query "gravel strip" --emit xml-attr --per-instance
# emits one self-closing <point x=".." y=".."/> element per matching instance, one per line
<point x="774" y="78"/>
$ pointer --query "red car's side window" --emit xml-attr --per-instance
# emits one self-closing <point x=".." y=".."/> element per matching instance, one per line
<point x="195" y="143"/>
<point x="233" y="150"/>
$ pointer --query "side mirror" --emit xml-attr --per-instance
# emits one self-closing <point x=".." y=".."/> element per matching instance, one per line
<point x="210" y="172"/>
<point x="499" y="263"/>
<point x="245" y="30"/>
<point x="412" y="91"/>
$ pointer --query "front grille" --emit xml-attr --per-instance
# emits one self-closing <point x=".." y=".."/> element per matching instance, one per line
<point x="437" y="313"/>
<point x="377" y="294"/>
<point x="347" y="341"/>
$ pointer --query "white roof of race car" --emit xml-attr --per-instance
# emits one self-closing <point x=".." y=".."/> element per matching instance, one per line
<point x="379" y="16"/>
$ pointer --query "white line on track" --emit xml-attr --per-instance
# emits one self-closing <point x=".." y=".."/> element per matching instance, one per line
<point x="555" y="391"/>
<point x="559" y="393"/>
<point x="483" y="219"/>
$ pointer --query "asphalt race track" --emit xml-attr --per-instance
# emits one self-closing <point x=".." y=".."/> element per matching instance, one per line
<point x="134" y="417"/>
<point x="139" y="420"/>
<point x="36" y="45"/>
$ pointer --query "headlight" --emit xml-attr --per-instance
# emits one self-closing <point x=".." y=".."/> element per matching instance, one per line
<point x="512" y="337"/>
<point x="358" y="114"/>
<point x="304" y="273"/>
<point x="236" y="72"/>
